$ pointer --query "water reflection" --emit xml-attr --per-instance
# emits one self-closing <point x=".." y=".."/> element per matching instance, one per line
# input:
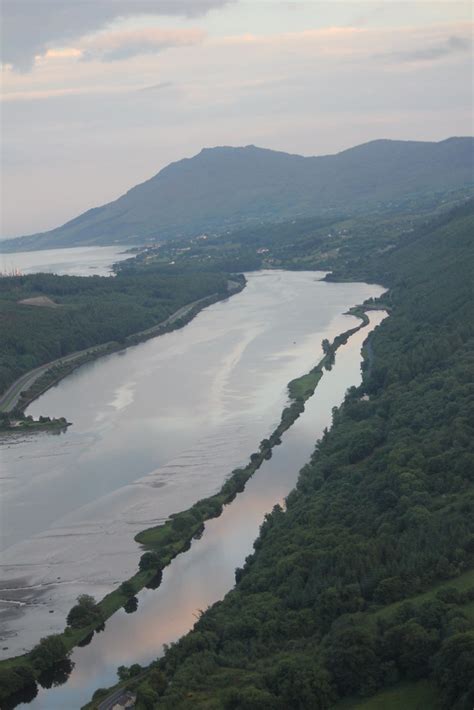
<point x="153" y="431"/>
<point x="21" y="698"/>
<point x="58" y="675"/>
<point x="203" y="575"/>
<point x="86" y="641"/>
<point x="131" y="605"/>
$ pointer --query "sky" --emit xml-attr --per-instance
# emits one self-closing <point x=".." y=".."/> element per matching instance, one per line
<point x="99" y="95"/>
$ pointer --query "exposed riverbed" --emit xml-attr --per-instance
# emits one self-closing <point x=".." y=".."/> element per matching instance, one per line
<point x="154" y="430"/>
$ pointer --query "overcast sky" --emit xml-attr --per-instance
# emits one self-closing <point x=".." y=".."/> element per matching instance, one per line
<point x="98" y="95"/>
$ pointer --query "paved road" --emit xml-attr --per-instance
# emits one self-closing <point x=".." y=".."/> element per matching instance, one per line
<point x="113" y="699"/>
<point x="9" y="399"/>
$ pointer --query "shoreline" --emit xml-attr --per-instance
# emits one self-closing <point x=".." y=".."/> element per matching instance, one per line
<point x="29" y="427"/>
<point x="47" y="375"/>
<point x="162" y="543"/>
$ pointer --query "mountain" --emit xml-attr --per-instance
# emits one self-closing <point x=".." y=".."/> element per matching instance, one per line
<point x="223" y="188"/>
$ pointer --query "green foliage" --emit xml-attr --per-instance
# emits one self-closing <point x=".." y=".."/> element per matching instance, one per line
<point x="14" y="679"/>
<point x="146" y="698"/>
<point x="383" y="513"/>
<point x="124" y="672"/>
<point x="454" y="669"/>
<point x="249" y="698"/>
<point x="299" y="682"/>
<point x="49" y="651"/>
<point x="149" y="560"/>
<point x="127" y="588"/>
<point x="85" y="613"/>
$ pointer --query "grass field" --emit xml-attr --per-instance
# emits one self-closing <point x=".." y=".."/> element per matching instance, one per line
<point x="420" y="695"/>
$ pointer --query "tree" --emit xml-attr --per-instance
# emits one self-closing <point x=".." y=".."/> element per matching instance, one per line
<point x="131" y="605"/>
<point x="149" y="560"/>
<point x="157" y="680"/>
<point x="352" y="660"/>
<point x="146" y="697"/>
<point x="49" y="651"/>
<point x="84" y="613"/>
<point x="183" y="522"/>
<point x="14" y="679"/>
<point x="411" y="646"/>
<point x="302" y="683"/>
<point x="127" y="589"/>
<point x="249" y="698"/>
<point x="454" y="671"/>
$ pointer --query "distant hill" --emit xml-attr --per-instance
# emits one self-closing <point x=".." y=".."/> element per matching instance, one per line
<point x="223" y="188"/>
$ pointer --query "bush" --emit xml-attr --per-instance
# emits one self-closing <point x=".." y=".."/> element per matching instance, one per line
<point x="14" y="679"/>
<point x="249" y="699"/>
<point x="454" y="671"/>
<point x="127" y="589"/>
<point x="84" y="613"/>
<point x="183" y="522"/>
<point x="149" y="560"/>
<point x="49" y="651"/>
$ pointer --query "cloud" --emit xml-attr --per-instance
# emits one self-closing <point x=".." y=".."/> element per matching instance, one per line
<point x="310" y="35"/>
<point x="157" y="87"/>
<point x="31" y="27"/>
<point x="452" y="46"/>
<point x="111" y="46"/>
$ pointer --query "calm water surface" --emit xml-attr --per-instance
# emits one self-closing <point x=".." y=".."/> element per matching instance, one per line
<point x="205" y="573"/>
<point x="78" y="261"/>
<point x="154" y="430"/>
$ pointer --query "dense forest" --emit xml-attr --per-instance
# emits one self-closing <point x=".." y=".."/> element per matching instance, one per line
<point x="364" y="585"/>
<point x="79" y="312"/>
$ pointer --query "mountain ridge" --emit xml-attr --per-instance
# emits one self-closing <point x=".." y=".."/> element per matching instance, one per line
<point x="225" y="187"/>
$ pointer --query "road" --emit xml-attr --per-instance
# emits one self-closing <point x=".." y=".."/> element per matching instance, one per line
<point x="9" y="399"/>
<point x="112" y="699"/>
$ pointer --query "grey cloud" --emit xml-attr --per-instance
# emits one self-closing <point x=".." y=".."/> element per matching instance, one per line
<point x="29" y="26"/>
<point x="115" y="45"/>
<point x="453" y="45"/>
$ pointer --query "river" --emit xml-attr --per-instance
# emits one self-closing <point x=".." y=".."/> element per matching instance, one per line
<point x="201" y="576"/>
<point x="154" y="430"/>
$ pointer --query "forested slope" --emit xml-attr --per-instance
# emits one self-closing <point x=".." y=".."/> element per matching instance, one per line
<point x="367" y="579"/>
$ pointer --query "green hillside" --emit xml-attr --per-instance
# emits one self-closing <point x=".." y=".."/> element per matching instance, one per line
<point x="361" y="594"/>
<point x="224" y="188"/>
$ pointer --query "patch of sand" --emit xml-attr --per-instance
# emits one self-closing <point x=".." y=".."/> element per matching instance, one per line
<point x="39" y="301"/>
